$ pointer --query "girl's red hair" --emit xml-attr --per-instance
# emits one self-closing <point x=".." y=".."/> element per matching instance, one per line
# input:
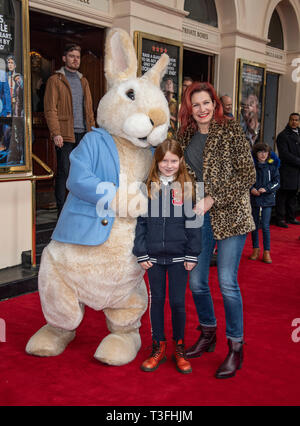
<point x="185" y="114"/>
<point x="182" y="176"/>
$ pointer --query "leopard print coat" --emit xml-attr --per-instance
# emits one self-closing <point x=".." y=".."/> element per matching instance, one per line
<point x="228" y="174"/>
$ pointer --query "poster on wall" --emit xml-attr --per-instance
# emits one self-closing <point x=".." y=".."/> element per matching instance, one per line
<point x="149" y="49"/>
<point x="14" y="140"/>
<point x="251" y="98"/>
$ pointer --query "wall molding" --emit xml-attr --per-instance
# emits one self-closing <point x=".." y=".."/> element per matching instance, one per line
<point x="69" y="10"/>
<point x="159" y="5"/>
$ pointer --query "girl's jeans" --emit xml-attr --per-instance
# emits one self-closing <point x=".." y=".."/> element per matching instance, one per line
<point x="265" y="225"/>
<point x="178" y="276"/>
<point x="229" y="255"/>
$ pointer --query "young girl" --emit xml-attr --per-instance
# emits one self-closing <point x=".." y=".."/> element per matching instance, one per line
<point x="263" y="196"/>
<point x="166" y="242"/>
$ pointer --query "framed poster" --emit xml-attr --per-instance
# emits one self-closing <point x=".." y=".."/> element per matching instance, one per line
<point x="15" y="116"/>
<point x="149" y="49"/>
<point x="250" y="101"/>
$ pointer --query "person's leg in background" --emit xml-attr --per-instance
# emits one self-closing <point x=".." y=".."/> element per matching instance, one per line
<point x="265" y="224"/>
<point x="63" y="168"/>
<point x="255" y="234"/>
<point x="281" y="197"/>
<point x="291" y="207"/>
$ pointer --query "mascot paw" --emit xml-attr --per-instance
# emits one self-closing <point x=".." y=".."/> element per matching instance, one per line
<point x="118" y="349"/>
<point x="49" y="341"/>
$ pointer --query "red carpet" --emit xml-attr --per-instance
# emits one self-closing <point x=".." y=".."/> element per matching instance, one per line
<point x="270" y="374"/>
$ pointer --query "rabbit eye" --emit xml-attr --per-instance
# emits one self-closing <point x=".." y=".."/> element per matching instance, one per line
<point x="130" y="94"/>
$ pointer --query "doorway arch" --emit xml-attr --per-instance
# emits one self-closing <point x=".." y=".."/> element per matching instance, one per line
<point x="227" y="15"/>
<point x="290" y="21"/>
<point x="203" y="11"/>
<point x="275" y="34"/>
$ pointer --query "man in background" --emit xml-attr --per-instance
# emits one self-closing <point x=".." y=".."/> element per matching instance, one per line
<point x="187" y="81"/>
<point x="69" y="114"/>
<point x="227" y="105"/>
<point x="288" y="145"/>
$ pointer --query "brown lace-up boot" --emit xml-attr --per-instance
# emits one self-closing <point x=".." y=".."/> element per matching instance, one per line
<point x="205" y="343"/>
<point x="182" y="364"/>
<point x="233" y="361"/>
<point x="267" y="257"/>
<point x="157" y="357"/>
<point x="255" y="254"/>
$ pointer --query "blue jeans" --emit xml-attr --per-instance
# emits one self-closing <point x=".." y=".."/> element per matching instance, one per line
<point x="229" y="255"/>
<point x="265" y="225"/>
<point x="178" y="277"/>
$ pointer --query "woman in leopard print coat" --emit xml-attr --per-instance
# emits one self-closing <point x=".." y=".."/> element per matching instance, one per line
<point x="217" y="153"/>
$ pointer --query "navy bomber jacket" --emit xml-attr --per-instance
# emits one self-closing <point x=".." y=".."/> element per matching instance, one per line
<point x="165" y="235"/>
<point x="267" y="177"/>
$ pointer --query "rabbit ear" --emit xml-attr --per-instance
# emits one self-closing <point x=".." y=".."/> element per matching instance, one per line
<point x="156" y="73"/>
<point x="120" y="57"/>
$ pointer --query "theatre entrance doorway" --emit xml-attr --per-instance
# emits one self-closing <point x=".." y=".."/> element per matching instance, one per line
<point x="198" y="66"/>
<point x="48" y="36"/>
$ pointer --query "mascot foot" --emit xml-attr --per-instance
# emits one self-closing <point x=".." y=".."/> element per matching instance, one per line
<point x="49" y="341"/>
<point x="118" y="349"/>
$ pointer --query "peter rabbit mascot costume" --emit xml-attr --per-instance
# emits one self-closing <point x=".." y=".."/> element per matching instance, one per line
<point x="89" y="260"/>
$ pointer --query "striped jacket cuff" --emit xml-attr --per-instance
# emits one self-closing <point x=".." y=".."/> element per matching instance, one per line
<point x="144" y="258"/>
<point x="193" y="259"/>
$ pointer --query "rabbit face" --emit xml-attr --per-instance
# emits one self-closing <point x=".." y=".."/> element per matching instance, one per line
<point x="136" y="110"/>
<point x="133" y="108"/>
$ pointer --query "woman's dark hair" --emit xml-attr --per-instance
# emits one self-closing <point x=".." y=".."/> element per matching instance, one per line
<point x="185" y="114"/>
<point x="261" y="147"/>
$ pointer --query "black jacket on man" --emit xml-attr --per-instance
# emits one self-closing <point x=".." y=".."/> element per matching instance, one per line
<point x="163" y="235"/>
<point x="288" y="144"/>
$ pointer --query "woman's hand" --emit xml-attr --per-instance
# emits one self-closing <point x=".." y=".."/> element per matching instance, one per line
<point x="255" y="192"/>
<point x="146" y="265"/>
<point x="189" y="265"/>
<point x="204" y="205"/>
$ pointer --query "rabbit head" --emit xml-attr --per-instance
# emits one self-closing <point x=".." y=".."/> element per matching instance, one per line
<point x="133" y="108"/>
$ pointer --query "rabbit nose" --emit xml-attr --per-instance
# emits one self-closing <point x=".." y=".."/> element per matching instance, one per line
<point x="157" y="117"/>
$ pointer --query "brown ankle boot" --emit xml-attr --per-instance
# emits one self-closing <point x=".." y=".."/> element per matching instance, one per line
<point x="255" y="254"/>
<point x="158" y="356"/>
<point x="266" y="257"/>
<point x="205" y="343"/>
<point x="233" y="361"/>
<point x="182" y="364"/>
